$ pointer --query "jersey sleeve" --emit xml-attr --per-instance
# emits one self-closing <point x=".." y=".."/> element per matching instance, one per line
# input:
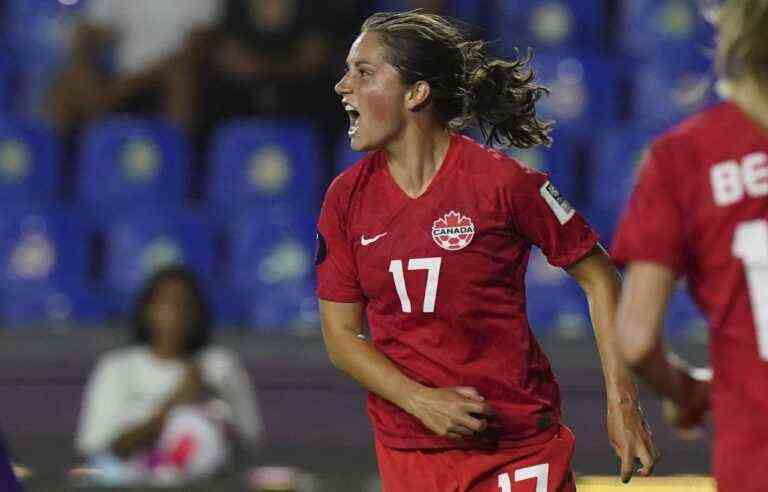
<point x="337" y="278"/>
<point x="100" y="417"/>
<point x="651" y="226"/>
<point x="544" y="217"/>
<point x="224" y="371"/>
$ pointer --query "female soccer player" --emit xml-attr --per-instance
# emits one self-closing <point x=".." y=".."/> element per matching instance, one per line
<point x="430" y="234"/>
<point x="700" y="211"/>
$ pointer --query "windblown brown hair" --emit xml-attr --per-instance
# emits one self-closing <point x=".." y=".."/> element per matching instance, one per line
<point x="469" y="87"/>
<point x="742" y="46"/>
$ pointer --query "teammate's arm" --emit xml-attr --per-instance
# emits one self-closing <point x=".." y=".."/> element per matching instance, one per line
<point x="628" y="431"/>
<point x="647" y="290"/>
<point x="445" y="411"/>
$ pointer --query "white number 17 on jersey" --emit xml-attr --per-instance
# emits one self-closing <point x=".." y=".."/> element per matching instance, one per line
<point x="432" y="265"/>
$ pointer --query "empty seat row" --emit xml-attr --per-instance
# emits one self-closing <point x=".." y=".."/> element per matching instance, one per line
<point x="258" y="264"/>
<point x="127" y="160"/>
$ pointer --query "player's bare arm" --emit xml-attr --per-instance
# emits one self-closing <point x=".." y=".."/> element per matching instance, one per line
<point x="447" y="412"/>
<point x="647" y="290"/>
<point x="629" y="433"/>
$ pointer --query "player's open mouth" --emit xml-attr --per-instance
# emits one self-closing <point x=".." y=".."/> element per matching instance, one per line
<point x="354" y="119"/>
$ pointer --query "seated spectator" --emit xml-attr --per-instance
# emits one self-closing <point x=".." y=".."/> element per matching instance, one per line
<point x="171" y="402"/>
<point x="280" y="58"/>
<point x="158" y="50"/>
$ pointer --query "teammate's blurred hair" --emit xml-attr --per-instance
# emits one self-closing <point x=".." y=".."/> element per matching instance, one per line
<point x="199" y="328"/>
<point x="742" y="46"/>
<point x="468" y="85"/>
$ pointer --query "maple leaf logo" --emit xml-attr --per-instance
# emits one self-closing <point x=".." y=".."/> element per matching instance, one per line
<point x="453" y="231"/>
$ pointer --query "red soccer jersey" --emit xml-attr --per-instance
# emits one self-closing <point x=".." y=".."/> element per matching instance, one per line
<point x="700" y="208"/>
<point x="441" y="278"/>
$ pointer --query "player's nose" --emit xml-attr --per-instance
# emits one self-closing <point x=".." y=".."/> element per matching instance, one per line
<point x="342" y="86"/>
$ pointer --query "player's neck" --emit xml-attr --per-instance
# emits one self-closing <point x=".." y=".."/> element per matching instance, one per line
<point x="752" y="99"/>
<point x="415" y="158"/>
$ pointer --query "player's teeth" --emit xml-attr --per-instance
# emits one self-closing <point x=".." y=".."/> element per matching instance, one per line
<point x="353" y="127"/>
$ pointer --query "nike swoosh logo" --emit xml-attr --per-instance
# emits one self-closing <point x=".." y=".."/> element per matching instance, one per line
<point x="366" y="242"/>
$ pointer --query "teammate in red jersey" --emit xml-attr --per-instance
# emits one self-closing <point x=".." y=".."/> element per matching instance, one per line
<point x="700" y="211"/>
<point x="428" y="237"/>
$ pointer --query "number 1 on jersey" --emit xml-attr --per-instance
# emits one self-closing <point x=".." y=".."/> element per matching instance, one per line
<point x="432" y="265"/>
<point x="750" y="245"/>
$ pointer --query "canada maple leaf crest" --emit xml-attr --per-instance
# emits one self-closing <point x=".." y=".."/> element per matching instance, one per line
<point x="453" y="231"/>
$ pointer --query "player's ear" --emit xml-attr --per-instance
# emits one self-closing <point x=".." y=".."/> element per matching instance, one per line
<point x="417" y="96"/>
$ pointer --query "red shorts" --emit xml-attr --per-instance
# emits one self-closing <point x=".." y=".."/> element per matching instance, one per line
<point x="537" y="468"/>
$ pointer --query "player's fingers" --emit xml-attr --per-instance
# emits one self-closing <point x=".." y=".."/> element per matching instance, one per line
<point x="476" y="425"/>
<point x="469" y="392"/>
<point x="454" y="435"/>
<point x="627" y="465"/>
<point x="650" y="444"/>
<point x="479" y="408"/>
<point x="462" y="430"/>
<point x="646" y="460"/>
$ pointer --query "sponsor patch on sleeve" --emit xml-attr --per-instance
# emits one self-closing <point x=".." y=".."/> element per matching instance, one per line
<point x="557" y="202"/>
<point x="321" y="250"/>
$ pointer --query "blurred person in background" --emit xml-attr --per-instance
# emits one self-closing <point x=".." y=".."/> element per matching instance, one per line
<point x="699" y="211"/>
<point x="158" y="46"/>
<point x="172" y="401"/>
<point x="277" y="58"/>
<point x="429" y="236"/>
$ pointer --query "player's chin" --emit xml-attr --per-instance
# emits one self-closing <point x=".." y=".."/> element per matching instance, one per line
<point x="360" y="144"/>
<point x="356" y="145"/>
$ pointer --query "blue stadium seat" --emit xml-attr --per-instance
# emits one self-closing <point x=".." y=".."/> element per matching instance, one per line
<point x="38" y="32"/>
<point x="683" y="316"/>
<point x="585" y="93"/>
<point x="30" y="160"/>
<point x="653" y="27"/>
<point x="272" y="268"/>
<point x="8" y="81"/>
<point x="554" y="23"/>
<point x="44" y="264"/>
<point x="264" y="162"/>
<point x="56" y="305"/>
<point x="560" y="161"/>
<point x="553" y="299"/>
<point x="144" y="240"/>
<point x="128" y="160"/>
<point x="669" y="88"/>
<point x="38" y="246"/>
<point x="485" y="14"/>
<point x="287" y="308"/>
<point x="617" y="153"/>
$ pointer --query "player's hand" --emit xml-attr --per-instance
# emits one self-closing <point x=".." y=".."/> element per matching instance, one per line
<point x="631" y="438"/>
<point x="455" y="413"/>
<point x="686" y="418"/>
<point x="191" y="388"/>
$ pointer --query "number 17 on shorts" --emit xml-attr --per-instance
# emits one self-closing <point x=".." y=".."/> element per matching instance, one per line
<point x="539" y="474"/>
